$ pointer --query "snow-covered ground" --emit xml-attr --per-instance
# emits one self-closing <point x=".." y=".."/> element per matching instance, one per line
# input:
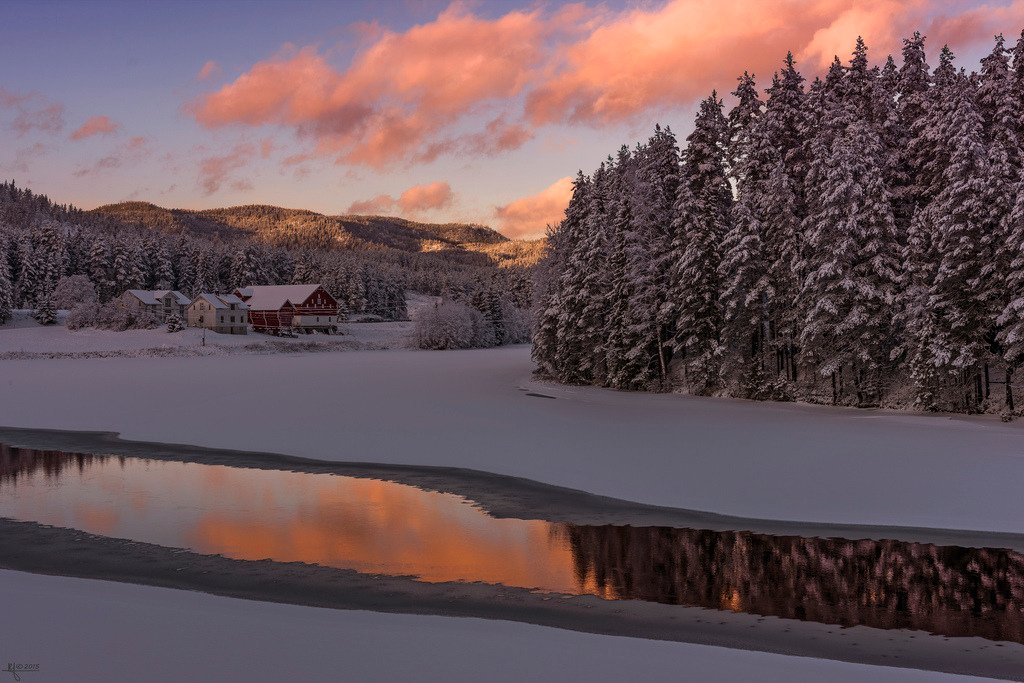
<point x="474" y="409"/>
<point x="23" y="336"/>
<point x="81" y="630"/>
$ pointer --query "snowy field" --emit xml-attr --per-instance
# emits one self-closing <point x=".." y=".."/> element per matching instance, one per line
<point x="473" y="409"/>
<point x="24" y="336"/>
<point x="81" y="630"/>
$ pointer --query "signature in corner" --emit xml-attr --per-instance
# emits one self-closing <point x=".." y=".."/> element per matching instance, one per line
<point x="17" y="669"/>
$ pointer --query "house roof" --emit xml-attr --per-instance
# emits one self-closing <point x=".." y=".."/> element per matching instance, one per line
<point x="273" y="297"/>
<point x="232" y="299"/>
<point x="221" y="301"/>
<point x="155" y="297"/>
<point x="145" y="296"/>
<point x="178" y="296"/>
<point x="211" y="299"/>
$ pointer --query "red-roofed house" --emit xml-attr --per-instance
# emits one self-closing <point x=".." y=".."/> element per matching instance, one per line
<point x="290" y="308"/>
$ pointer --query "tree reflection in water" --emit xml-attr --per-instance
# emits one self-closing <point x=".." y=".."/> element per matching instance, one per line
<point x="947" y="590"/>
<point x="888" y="584"/>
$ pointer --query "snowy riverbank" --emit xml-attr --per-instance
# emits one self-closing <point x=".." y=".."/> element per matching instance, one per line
<point x="475" y="409"/>
<point x="77" y="629"/>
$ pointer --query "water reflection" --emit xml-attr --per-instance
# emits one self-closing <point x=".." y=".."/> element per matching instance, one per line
<point x="382" y="527"/>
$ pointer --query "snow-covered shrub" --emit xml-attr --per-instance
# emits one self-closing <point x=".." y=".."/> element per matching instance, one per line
<point x="174" y="323"/>
<point x="73" y="291"/>
<point x="82" y="315"/>
<point x="115" y="315"/>
<point x="452" y="325"/>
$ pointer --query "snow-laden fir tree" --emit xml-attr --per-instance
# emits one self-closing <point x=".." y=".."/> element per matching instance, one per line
<point x="1011" y="318"/>
<point x="741" y="123"/>
<point x="548" y="351"/>
<point x="99" y="268"/>
<point x="6" y="288"/>
<point x="851" y="262"/>
<point x="45" y="313"/>
<point x="174" y="323"/>
<point x="703" y="203"/>
<point x="958" y="296"/>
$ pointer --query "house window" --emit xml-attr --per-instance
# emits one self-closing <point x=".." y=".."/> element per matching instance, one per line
<point x="232" y="319"/>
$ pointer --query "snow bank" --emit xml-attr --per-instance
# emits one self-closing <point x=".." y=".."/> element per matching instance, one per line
<point x="77" y="629"/>
<point x="27" y="339"/>
<point x="475" y="409"/>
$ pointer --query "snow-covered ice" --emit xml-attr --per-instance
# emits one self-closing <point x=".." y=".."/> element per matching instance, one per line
<point x="83" y="630"/>
<point x="473" y="409"/>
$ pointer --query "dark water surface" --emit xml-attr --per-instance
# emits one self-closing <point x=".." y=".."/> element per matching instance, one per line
<point x="382" y="527"/>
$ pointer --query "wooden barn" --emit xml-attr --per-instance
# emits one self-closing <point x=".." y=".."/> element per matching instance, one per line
<point x="290" y="308"/>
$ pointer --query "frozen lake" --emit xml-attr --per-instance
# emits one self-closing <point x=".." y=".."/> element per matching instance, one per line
<point x="381" y="527"/>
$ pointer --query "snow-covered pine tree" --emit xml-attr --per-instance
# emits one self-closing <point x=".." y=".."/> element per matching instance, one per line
<point x="741" y="123"/>
<point x="851" y="261"/>
<point x="783" y="163"/>
<point x="26" y="286"/>
<point x="99" y="268"/>
<point x="548" y="347"/>
<point x="701" y="222"/>
<point x="745" y="291"/>
<point x="1001" y="110"/>
<point x="174" y="323"/>
<point x="648" y="255"/>
<point x="1011" y="318"/>
<point x="6" y="288"/>
<point x="125" y="269"/>
<point x="45" y="313"/>
<point x="957" y="296"/>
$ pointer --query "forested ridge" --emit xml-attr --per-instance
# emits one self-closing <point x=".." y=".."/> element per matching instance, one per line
<point x="367" y="262"/>
<point x="858" y="240"/>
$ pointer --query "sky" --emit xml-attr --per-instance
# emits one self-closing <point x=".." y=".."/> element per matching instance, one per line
<point x="436" y="111"/>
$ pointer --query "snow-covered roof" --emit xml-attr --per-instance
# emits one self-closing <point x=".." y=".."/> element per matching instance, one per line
<point x="178" y="296"/>
<point x="232" y="299"/>
<point x="155" y="297"/>
<point x="145" y="296"/>
<point x="211" y="299"/>
<point x="273" y="297"/>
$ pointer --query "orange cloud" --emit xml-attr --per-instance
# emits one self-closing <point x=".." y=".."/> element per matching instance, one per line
<point x="416" y="95"/>
<point x="397" y="94"/>
<point x="96" y="125"/>
<point x="528" y="217"/>
<point x="381" y="204"/>
<point x="978" y="23"/>
<point x="415" y="200"/>
<point x="427" y="197"/>
<point x="215" y="171"/>
<point x="208" y="71"/>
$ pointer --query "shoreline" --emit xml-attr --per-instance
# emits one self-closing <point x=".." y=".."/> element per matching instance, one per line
<point x="501" y="496"/>
<point x="56" y="551"/>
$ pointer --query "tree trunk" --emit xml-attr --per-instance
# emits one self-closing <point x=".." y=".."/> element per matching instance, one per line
<point x="1009" y="389"/>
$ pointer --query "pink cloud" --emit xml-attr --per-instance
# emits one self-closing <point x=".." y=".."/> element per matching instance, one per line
<point x="208" y="71"/>
<point x="96" y="125"/>
<point x="32" y="112"/>
<point x="528" y="217"/>
<point x="428" y="197"/>
<point x="416" y="200"/>
<point x="412" y="96"/>
<point x="24" y="157"/>
<point x="132" y="151"/>
<point x="397" y="94"/>
<point x="216" y="170"/>
<point x="381" y="204"/>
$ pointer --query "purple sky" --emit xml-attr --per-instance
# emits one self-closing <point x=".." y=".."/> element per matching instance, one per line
<point x="431" y="110"/>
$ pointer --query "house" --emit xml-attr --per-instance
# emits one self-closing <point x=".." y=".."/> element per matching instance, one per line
<point x="290" y="308"/>
<point x="223" y="313"/>
<point x="162" y="303"/>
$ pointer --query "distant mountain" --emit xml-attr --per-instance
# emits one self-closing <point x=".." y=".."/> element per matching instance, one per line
<point x="297" y="226"/>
